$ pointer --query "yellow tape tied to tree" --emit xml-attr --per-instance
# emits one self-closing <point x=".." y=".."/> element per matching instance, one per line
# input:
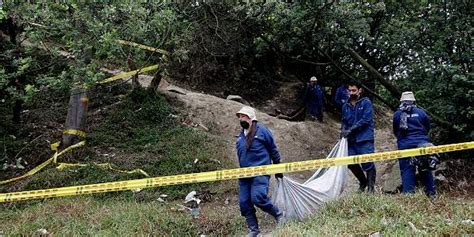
<point x="53" y="159"/>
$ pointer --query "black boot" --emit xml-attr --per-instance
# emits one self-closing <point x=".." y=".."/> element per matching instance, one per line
<point x="371" y="180"/>
<point x="277" y="214"/>
<point x="252" y="223"/>
<point x="359" y="174"/>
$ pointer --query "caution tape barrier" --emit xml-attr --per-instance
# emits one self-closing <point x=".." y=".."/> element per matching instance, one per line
<point x="63" y="166"/>
<point x="227" y="174"/>
<point x="149" y="48"/>
<point x="128" y="74"/>
<point x="75" y="132"/>
<point x="53" y="159"/>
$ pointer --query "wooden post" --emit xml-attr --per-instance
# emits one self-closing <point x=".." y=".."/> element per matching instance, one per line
<point x="74" y="130"/>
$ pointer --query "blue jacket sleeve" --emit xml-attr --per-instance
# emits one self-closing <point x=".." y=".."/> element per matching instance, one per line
<point x="271" y="147"/>
<point x="321" y="96"/>
<point x="306" y="94"/>
<point x="396" y="122"/>
<point x="366" y="116"/>
<point x="344" y="125"/>
<point x="426" y="121"/>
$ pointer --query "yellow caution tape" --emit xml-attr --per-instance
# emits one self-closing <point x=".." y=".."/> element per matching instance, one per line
<point x="129" y="74"/>
<point x="227" y="174"/>
<point x="55" y="146"/>
<point x="62" y="166"/>
<point x="75" y="132"/>
<point x="47" y="162"/>
<point x="149" y="48"/>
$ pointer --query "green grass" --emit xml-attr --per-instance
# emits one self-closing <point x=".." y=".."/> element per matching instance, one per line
<point x="362" y="215"/>
<point x="137" y="133"/>
<point x="79" y="216"/>
<point x="354" y="215"/>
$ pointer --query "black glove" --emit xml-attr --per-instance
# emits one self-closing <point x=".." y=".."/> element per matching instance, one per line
<point x="345" y="133"/>
<point x="279" y="176"/>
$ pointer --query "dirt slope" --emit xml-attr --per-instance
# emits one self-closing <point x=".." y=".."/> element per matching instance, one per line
<point x="296" y="140"/>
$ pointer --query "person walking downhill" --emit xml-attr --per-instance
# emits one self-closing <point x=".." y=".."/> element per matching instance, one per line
<point x="255" y="146"/>
<point x="411" y="126"/>
<point x="358" y="127"/>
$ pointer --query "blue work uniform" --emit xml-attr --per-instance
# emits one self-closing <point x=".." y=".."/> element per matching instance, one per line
<point x="314" y="100"/>
<point x="413" y="136"/>
<point x="254" y="191"/>
<point x="360" y="118"/>
<point x="342" y="96"/>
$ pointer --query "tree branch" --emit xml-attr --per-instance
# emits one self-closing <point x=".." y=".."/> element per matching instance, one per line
<point x="393" y="107"/>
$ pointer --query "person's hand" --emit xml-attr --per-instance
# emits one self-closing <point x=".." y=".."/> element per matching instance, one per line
<point x="279" y="176"/>
<point x="345" y="133"/>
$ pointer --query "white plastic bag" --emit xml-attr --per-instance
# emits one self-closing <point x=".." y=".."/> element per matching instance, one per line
<point x="300" y="200"/>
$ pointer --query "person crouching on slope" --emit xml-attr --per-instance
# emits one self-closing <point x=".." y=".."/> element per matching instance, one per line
<point x="255" y="146"/>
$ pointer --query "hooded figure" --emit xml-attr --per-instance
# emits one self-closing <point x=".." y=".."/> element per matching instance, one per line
<point x="342" y="96"/>
<point x="255" y="146"/>
<point x="411" y="126"/>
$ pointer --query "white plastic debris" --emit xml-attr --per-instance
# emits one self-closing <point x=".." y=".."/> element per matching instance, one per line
<point x="191" y="197"/>
<point x="160" y="200"/>
<point x="42" y="231"/>
<point x="375" y="234"/>
<point x="136" y="190"/>
<point x="467" y="222"/>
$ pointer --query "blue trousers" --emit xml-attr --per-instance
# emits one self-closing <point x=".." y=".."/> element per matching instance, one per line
<point x="408" y="171"/>
<point x="360" y="148"/>
<point x="254" y="192"/>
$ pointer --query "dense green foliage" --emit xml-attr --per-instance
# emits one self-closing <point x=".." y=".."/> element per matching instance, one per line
<point x="227" y="48"/>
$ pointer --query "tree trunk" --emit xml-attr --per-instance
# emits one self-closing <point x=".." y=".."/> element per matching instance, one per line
<point x="387" y="84"/>
<point x="393" y="89"/>
<point x="155" y="83"/>
<point x="76" y="118"/>
<point x="387" y="103"/>
<point x="17" y="108"/>
<point x="132" y="66"/>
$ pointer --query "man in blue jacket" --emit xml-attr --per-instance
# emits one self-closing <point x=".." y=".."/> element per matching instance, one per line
<point x="255" y="146"/>
<point x="358" y="127"/>
<point x="411" y="126"/>
<point x="342" y="96"/>
<point x="314" y="99"/>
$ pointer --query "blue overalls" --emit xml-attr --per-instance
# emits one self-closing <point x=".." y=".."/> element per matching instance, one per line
<point x="314" y="100"/>
<point x="415" y="135"/>
<point x="361" y="141"/>
<point x="342" y="96"/>
<point x="254" y="191"/>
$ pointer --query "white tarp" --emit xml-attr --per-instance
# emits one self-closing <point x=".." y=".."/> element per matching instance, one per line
<point x="300" y="200"/>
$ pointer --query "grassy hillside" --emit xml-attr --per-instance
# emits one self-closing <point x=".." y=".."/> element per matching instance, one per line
<point x="390" y="215"/>
<point x="129" y="131"/>
<point x="357" y="214"/>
